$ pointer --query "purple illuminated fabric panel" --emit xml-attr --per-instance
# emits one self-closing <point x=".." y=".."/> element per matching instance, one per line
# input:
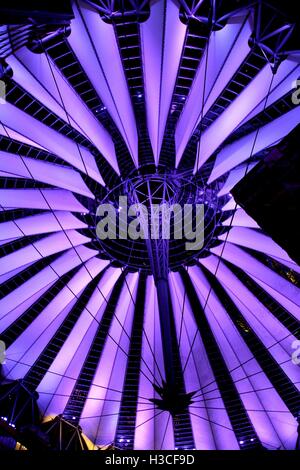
<point x="227" y="50"/>
<point x="66" y="149"/>
<point x="15" y="166"/>
<point x="103" y="67"/>
<point x="40" y="77"/>
<point x="162" y="38"/>
<point x="71" y="357"/>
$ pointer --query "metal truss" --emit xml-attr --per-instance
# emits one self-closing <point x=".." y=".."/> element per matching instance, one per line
<point x="35" y="36"/>
<point x="112" y="10"/>
<point x="274" y="33"/>
<point x="274" y="30"/>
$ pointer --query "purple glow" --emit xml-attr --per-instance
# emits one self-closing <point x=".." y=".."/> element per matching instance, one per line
<point x="54" y="142"/>
<point x="220" y="69"/>
<point x="162" y="41"/>
<point x="106" y="75"/>
<point x="49" y="89"/>
<point x="235" y="352"/>
<point x="250" y="238"/>
<point x="44" y="247"/>
<point x="239" y="151"/>
<point x="68" y="362"/>
<point x="234" y="177"/>
<point x="252" y="97"/>
<point x="197" y="376"/>
<point x="56" y="175"/>
<point x="16" y="302"/>
<point x="102" y="429"/>
<point x="241" y="219"/>
<point x="56" y="199"/>
<point x="256" y="269"/>
<point x="40" y="223"/>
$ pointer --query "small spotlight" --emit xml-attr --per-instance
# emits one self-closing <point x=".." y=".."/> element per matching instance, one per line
<point x="242" y="442"/>
<point x="252" y="439"/>
<point x="127" y="440"/>
<point x="73" y="417"/>
<point x="101" y="109"/>
<point x="4" y="418"/>
<point x="121" y="440"/>
<point x="139" y="95"/>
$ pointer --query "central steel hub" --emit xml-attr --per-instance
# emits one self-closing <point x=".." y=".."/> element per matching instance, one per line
<point x="153" y="189"/>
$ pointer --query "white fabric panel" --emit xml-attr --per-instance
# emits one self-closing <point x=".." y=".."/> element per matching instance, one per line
<point x="109" y="419"/>
<point x="236" y="175"/>
<point x="271" y="332"/>
<point x="31" y="343"/>
<point x="156" y="433"/>
<point x="55" y="199"/>
<point x="226" y="51"/>
<point x="9" y="317"/>
<point x="288" y="71"/>
<point x="57" y="175"/>
<point x="41" y="78"/>
<point x="240" y="150"/>
<point x="210" y="422"/>
<point x="144" y="437"/>
<point x="46" y="277"/>
<point x="250" y="238"/>
<point x="58" y="383"/>
<point x="40" y="223"/>
<point x="14" y="272"/>
<point x="8" y="132"/>
<point x="27" y="348"/>
<point x="249" y="379"/>
<point x="256" y="269"/>
<point x="230" y="205"/>
<point x="106" y="75"/>
<point x="162" y="39"/>
<point x="108" y="381"/>
<point x="255" y="95"/>
<point x="287" y="304"/>
<point x="54" y="142"/>
<point x="289" y="263"/>
<point x="42" y="248"/>
<point x="240" y="219"/>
